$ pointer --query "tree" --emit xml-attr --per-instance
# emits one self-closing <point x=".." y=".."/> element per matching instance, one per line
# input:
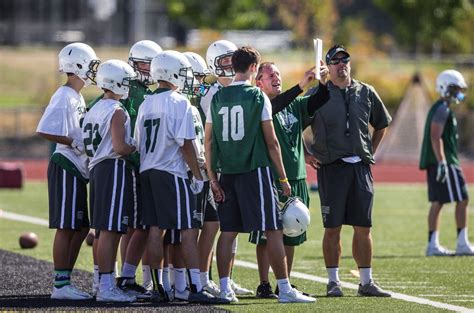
<point x="420" y="25"/>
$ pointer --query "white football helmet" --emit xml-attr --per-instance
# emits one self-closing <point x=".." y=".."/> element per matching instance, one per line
<point x="200" y="71"/>
<point x="216" y="52"/>
<point x="173" y="67"/>
<point x="143" y="51"/>
<point x="447" y="80"/>
<point x="79" y="59"/>
<point x="295" y="217"/>
<point x="115" y="75"/>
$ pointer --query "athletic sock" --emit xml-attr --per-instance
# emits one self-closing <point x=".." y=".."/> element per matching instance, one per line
<point x="62" y="278"/>
<point x="172" y="280"/>
<point x="166" y="278"/>
<point x="146" y="275"/>
<point x="225" y="284"/>
<point x="284" y="285"/>
<point x="180" y="279"/>
<point x="128" y="271"/>
<point x="105" y="281"/>
<point x="156" y="277"/>
<point x="365" y="275"/>
<point x="434" y="239"/>
<point x="195" y="279"/>
<point x="204" y="278"/>
<point x="462" y="237"/>
<point x="333" y="274"/>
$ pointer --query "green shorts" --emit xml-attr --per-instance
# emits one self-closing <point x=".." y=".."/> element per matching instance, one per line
<point x="299" y="188"/>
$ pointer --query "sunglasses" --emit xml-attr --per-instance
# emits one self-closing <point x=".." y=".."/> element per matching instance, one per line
<point x="336" y="61"/>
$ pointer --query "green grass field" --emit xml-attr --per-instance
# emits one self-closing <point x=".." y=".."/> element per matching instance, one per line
<point x="399" y="233"/>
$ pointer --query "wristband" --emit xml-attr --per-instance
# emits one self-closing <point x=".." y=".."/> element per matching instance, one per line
<point x="283" y="180"/>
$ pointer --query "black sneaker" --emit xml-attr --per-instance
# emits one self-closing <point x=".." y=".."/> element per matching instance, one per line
<point x="159" y="295"/>
<point x="372" y="290"/>
<point x="264" y="291"/>
<point x="204" y="297"/>
<point x="277" y="291"/>
<point x="131" y="288"/>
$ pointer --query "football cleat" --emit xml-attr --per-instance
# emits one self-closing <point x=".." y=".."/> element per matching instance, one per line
<point x="264" y="291"/>
<point x="438" y="251"/>
<point x="114" y="294"/>
<point x="239" y="290"/>
<point x="212" y="288"/>
<point x="229" y="296"/>
<point x="133" y="289"/>
<point x="182" y="295"/>
<point x="69" y="292"/>
<point x="372" y="290"/>
<point x="205" y="297"/>
<point x="334" y="289"/>
<point x="465" y="249"/>
<point x="294" y="296"/>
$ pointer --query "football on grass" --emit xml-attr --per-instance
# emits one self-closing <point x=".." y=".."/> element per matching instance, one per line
<point x="28" y="240"/>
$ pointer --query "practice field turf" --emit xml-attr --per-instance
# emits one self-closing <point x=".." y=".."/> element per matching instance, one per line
<point x="399" y="233"/>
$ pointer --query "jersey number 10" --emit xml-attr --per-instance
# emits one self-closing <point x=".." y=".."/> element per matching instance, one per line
<point x="237" y="131"/>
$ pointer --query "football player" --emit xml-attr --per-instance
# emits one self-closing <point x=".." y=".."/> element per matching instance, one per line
<point x="241" y="144"/>
<point x="219" y="61"/>
<point x="167" y="192"/>
<point x="67" y="170"/>
<point x="107" y="140"/>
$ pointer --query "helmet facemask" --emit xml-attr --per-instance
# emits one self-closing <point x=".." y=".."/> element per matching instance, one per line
<point x="187" y="73"/>
<point x="143" y="75"/>
<point x="223" y="70"/>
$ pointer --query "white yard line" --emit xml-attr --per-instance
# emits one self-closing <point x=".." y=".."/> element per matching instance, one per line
<point x="23" y="218"/>
<point x="251" y="265"/>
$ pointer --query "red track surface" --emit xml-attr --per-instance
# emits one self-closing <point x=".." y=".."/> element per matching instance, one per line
<point x="383" y="172"/>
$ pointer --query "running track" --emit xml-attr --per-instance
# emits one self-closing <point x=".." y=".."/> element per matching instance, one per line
<point x="383" y="172"/>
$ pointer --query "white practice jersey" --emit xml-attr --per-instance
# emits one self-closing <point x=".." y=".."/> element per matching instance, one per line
<point x="97" y="134"/>
<point x="206" y="100"/>
<point x="164" y="121"/>
<point x="198" y="142"/>
<point x="63" y="117"/>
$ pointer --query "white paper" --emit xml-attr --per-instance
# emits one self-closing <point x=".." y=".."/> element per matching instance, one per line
<point x="318" y="49"/>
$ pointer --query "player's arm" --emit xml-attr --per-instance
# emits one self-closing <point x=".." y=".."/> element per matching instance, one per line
<point x="285" y="98"/>
<point x="117" y="130"/>
<point x="321" y="96"/>
<point x="275" y="155"/>
<point x="309" y="158"/>
<point x="436" y="132"/>
<point x="218" y="192"/>
<point x="75" y="144"/>
<point x="189" y="154"/>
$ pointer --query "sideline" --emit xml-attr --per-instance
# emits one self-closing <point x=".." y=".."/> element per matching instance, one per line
<point x="251" y="265"/>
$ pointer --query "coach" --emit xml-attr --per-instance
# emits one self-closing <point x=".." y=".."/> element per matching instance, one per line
<point x="344" y="147"/>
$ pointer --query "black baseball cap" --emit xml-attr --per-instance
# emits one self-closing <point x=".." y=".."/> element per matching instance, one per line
<point x="335" y="50"/>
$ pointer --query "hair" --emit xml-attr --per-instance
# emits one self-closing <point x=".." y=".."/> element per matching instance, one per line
<point x="261" y="68"/>
<point x="243" y="58"/>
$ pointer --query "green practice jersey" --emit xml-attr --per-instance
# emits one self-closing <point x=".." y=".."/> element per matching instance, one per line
<point x="289" y="127"/>
<point x="449" y="136"/>
<point x="238" y="144"/>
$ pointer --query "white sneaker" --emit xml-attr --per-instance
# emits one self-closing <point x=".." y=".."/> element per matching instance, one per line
<point x="114" y="294"/>
<point x="438" y="251"/>
<point x="239" y="290"/>
<point x="69" y="292"/>
<point x="181" y="295"/>
<point x="229" y="296"/>
<point x="465" y="249"/>
<point x="294" y="296"/>
<point x="212" y="288"/>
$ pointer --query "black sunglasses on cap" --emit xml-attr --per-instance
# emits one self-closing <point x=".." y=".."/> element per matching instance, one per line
<point x="336" y="61"/>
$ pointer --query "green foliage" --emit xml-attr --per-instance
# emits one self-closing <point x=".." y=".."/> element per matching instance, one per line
<point x="422" y="24"/>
